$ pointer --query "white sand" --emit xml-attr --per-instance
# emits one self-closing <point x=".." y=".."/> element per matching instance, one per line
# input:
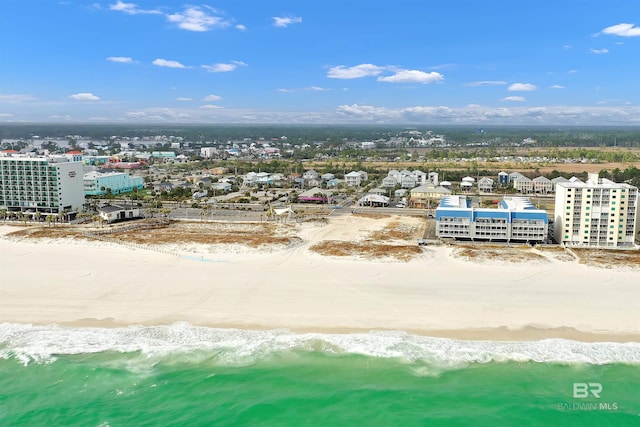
<point x="87" y="282"/>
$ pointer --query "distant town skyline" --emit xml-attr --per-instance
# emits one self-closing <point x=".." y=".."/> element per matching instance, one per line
<point x="497" y="62"/>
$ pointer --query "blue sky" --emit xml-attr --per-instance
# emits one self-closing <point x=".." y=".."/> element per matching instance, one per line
<point x="543" y="62"/>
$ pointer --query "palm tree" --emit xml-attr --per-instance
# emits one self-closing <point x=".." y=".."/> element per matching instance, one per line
<point x="3" y="214"/>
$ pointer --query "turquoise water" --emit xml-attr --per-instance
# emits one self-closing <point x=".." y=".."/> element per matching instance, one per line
<point x="193" y="376"/>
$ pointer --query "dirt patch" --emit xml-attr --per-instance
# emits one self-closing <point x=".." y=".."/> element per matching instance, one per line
<point x="371" y="215"/>
<point x="604" y="258"/>
<point x="47" y="233"/>
<point x="397" y="230"/>
<point x="491" y="254"/>
<point x="340" y="248"/>
<point x="252" y="235"/>
<point x="557" y="253"/>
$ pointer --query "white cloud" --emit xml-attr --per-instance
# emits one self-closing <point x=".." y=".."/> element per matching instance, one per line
<point x="210" y="107"/>
<point x="224" y="68"/>
<point x="506" y="113"/>
<point x="614" y="101"/>
<point x="622" y="30"/>
<point x="136" y="114"/>
<point x="132" y="9"/>
<point x="212" y="98"/>
<point x="11" y="97"/>
<point x="6" y="115"/>
<point x="84" y="96"/>
<point x="521" y="87"/>
<point x="572" y="71"/>
<point x="184" y="99"/>
<point x="167" y="63"/>
<point x="196" y="19"/>
<point x="241" y="27"/>
<point x="486" y="83"/>
<point x="413" y="76"/>
<point x="557" y="87"/>
<point x="308" y="88"/>
<point x="599" y="51"/>
<point x="122" y="59"/>
<point x="355" y="72"/>
<point x="367" y="111"/>
<point x="285" y="21"/>
<point x="514" y="99"/>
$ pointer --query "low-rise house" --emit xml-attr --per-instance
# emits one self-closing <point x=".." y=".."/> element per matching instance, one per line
<point x="208" y="152"/>
<point x="433" y="178"/>
<point x="523" y="184"/>
<point x="466" y="186"/>
<point x="335" y="182"/>
<point x="395" y="174"/>
<point x="503" y="178"/>
<point x="485" y="184"/>
<point x="316" y="195"/>
<point x="389" y="181"/>
<point x="427" y="195"/>
<point x="310" y="174"/>
<point x="420" y="177"/>
<point x="374" y="200"/>
<point x="542" y="185"/>
<point x="402" y="192"/>
<point x="163" y="186"/>
<point x="408" y="181"/>
<point x="514" y="175"/>
<point x="119" y="212"/>
<point x="353" y="179"/>
<point x="221" y="187"/>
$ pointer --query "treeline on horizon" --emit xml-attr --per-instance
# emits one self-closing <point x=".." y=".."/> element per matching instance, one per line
<point x="545" y="136"/>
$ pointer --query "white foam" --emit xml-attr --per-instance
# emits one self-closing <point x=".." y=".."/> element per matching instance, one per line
<point x="41" y="344"/>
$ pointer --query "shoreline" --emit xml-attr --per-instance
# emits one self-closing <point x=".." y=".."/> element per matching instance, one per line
<point x="78" y="283"/>
<point x="527" y="333"/>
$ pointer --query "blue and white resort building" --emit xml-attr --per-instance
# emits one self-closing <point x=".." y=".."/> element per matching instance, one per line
<point x="515" y="219"/>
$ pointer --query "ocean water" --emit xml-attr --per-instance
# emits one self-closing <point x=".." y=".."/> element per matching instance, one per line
<point x="184" y="375"/>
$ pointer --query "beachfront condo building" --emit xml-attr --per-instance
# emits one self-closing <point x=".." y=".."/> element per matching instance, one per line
<point x="596" y="213"/>
<point x="98" y="184"/>
<point x="46" y="184"/>
<point x="515" y="219"/>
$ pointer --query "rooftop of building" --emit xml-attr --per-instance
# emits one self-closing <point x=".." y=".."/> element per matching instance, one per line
<point x="593" y="181"/>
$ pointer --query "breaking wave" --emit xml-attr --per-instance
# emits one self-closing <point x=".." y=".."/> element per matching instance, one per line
<point x="237" y="347"/>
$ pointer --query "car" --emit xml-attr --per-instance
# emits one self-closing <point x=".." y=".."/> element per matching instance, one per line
<point x="401" y="205"/>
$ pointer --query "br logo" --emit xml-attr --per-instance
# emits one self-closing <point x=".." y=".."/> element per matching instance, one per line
<point x="582" y="390"/>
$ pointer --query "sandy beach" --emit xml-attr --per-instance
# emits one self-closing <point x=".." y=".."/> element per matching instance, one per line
<point x="437" y="292"/>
